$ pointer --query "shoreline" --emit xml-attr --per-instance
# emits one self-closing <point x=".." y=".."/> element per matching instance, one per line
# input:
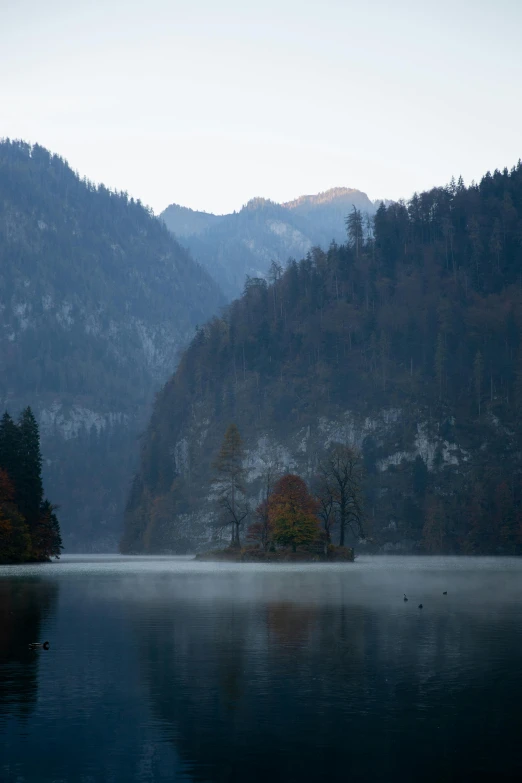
<point x="336" y="555"/>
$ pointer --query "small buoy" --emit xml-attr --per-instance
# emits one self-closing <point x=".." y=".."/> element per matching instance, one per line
<point x="420" y="606"/>
<point x="46" y="645"/>
<point x="405" y="597"/>
<point x="445" y="592"/>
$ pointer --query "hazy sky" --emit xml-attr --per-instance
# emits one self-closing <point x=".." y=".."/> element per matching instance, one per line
<point x="208" y="103"/>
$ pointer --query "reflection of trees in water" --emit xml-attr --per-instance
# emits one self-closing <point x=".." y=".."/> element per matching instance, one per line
<point x="288" y="624"/>
<point x="225" y="684"/>
<point x="294" y="692"/>
<point x="24" y="603"/>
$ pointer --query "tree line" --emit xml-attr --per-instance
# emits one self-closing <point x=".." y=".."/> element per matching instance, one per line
<point x="289" y="513"/>
<point x="29" y="527"/>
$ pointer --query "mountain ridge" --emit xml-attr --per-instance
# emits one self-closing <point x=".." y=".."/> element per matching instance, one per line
<point x="243" y="244"/>
<point x="327" y="196"/>
<point x="97" y="300"/>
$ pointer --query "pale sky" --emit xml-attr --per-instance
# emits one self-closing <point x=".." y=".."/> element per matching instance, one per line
<point x="208" y="103"/>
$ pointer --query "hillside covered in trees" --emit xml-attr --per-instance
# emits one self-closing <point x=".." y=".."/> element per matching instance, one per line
<point x="244" y="243"/>
<point x="29" y="528"/>
<point x="404" y="342"/>
<point x="96" y="300"/>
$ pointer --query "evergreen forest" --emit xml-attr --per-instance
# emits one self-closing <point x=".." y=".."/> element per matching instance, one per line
<point x="404" y="341"/>
<point x="29" y="527"/>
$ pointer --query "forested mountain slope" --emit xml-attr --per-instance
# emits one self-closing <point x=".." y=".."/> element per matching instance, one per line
<point x="96" y="299"/>
<point x="246" y="242"/>
<point x="406" y="344"/>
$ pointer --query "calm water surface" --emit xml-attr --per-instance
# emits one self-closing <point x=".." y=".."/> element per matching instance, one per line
<point x="165" y="669"/>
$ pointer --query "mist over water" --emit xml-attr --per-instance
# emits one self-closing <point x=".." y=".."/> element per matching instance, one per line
<point x="168" y="669"/>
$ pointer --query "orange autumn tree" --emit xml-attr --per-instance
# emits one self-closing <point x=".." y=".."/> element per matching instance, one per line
<point x="293" y="513"/>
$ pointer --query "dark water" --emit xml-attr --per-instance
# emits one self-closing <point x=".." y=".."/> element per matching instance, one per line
<point x="163" y="669"/>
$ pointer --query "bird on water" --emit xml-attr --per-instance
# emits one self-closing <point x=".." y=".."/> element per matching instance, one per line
<point x="420" y="606"/>
<point x="445" y="592"/>
<point x="405" y="597"/>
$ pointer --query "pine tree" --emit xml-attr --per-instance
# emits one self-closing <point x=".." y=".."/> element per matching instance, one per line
<point x="29" y="528"/>
<point x="15" y="542"/>
<point x="354" y="228"/>
<point x="10" y="448"/>
<point x="46" y="538"/>
<point x="30" y="490"/>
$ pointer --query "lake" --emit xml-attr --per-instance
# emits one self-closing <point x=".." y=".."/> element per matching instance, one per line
<point x="165" y="669"/>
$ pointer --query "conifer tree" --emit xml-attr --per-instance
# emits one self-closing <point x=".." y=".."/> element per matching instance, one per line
<point x="9" y="448"/>
<point x="354" y="227"/>
<point x="15" y="542"/>
<point x="46" y="538"/>
<point x="30" y="490"/>
<point x="29" y="528"/>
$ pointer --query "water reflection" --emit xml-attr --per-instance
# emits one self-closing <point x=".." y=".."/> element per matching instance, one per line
<point x="166" y="670"/>
<point x="287" y="690"/>
<point x="24" y="605"/>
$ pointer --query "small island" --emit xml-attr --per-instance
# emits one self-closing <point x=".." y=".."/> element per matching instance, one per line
<point x="253" y="554"/>
<point x="291" y="524"/>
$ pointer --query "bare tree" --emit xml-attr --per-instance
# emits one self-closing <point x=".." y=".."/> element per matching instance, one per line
<point x="229" y="475"/>
<point x="272" y="471"/>
<point x="341" y="473"/>
<point x="326" y="507"/>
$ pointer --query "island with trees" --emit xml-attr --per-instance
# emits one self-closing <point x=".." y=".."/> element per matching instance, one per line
<point x="292" y="522"/>
<point x="29" y="527"/>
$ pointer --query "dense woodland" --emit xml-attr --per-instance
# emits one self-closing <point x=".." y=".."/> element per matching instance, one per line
<point x="96" y="300"/>
<point x="419" y="312"/>
<point x="29" y="528"/>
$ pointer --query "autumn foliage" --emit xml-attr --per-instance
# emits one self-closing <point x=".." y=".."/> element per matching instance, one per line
<point x="292" y="513"/>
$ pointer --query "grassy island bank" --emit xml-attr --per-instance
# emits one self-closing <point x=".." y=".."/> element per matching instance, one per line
<point x="257" y="555"/>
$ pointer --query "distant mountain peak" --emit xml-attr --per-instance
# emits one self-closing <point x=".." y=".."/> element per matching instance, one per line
<point x="244" y="243"/>
<point x="259" y="201"/>
<point x="184" y="221"/>
<point x="326" y="197"/>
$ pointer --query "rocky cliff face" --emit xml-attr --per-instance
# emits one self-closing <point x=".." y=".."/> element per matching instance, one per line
<point x="390" y="455"/>
<point x="245" y="243"/>
<point x="97" y="300"/>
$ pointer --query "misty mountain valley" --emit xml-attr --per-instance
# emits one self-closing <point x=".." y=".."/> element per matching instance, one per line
<point x="260" y="392"/>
